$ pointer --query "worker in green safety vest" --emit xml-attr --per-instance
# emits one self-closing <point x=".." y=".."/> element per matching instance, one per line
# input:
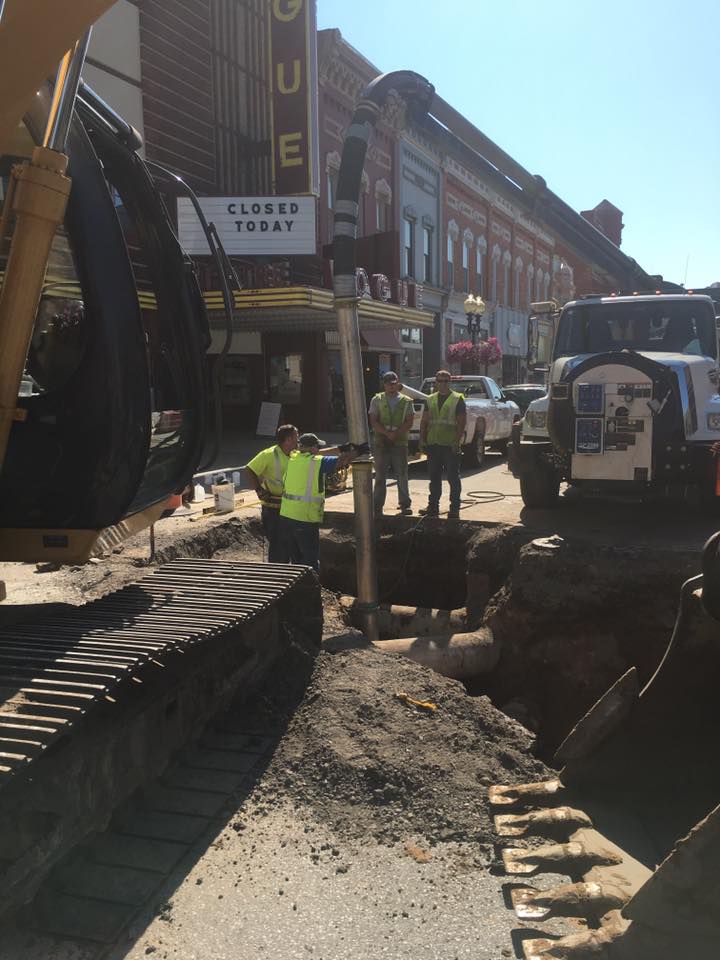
<point x="391" y="417"/>
<point x="441" y="432"/>
<point x="266" y="472"/>
<point x="303" y="499"/>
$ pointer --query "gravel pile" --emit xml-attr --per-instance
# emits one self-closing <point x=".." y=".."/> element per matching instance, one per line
<point x="369" y="765"/>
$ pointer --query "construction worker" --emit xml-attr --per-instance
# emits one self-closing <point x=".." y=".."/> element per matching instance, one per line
<point x="266" y="472"/>
<point x="303" y="499"/>
<point x="391" y="417"/>
<point x="441" y="431"/>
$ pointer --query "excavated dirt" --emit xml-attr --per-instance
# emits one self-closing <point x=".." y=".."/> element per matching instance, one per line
<point x="369" y="765"/>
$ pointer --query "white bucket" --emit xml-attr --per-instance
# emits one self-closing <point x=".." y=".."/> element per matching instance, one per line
<point x="224" y="494"/>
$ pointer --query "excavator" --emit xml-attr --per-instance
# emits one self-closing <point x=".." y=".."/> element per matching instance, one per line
<point x="102" y="416"/>
<point x="632" y="819"/>
<point x="103" y="330"/>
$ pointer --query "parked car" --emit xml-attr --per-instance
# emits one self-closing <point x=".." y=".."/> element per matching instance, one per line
<point x="524" y="393"/>
<point x="489" y="415"/>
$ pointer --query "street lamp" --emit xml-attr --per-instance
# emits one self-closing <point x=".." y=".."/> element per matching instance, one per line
<point x="474" y="309"/>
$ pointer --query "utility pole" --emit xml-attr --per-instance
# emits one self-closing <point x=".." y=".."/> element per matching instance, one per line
<point x="418" y="92"/>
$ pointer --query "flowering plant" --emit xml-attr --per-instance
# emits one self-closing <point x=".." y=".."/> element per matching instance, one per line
<point x="474" y="354"/>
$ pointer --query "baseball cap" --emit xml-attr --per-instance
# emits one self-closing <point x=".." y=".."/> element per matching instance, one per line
<point x="311" y="440"/>
<point x="390" y="377"/>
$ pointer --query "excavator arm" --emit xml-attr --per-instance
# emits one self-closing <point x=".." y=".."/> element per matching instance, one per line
<point x="34" y="37"/>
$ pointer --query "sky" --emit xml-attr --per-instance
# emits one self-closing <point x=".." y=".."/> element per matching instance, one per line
<point x="617" y="100"/>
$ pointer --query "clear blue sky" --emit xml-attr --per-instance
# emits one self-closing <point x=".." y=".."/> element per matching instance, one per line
<point x="615" y="99"/>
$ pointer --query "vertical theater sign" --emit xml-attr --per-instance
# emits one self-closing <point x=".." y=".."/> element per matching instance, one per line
<point x="293" y="85"/>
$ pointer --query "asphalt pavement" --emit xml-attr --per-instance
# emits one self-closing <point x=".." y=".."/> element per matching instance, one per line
<point x="491" y="494"/>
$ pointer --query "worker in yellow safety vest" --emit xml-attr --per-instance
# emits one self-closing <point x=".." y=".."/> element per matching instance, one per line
<point x="266" y="472"/>
<point x="441" y="432"/>
<point x="303" y="499"/>
<point x="391" y="417"/>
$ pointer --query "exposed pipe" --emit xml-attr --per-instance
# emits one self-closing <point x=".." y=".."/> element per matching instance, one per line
<point x="460" y="656"/>
<point x="419" y="93"/>
<point x="396" y="620"/>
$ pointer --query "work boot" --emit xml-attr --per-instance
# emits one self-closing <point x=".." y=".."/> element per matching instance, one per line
<point x="430" y="511"/>
<point x="454" y="513"/>
<point x="406" y="511"/>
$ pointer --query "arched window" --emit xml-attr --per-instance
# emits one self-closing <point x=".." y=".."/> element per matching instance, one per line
<point x="539" y="276"/>
<point x="506" y="260"/>
<point x="496" y="254"/>
<point x="530" y="273"/>
<point x="546" y="286"/>
<point x="453" y="233"/>
<point x="383" y="208"/>
<point x="480" y="252"/>
<point x="516" y="282"/>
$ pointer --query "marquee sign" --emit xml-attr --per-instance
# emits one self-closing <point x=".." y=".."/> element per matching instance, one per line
<point x="293" y="86"/>
<point x="250" y="226"/>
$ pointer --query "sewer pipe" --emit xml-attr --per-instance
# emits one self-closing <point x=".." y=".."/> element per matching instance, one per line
<point x="418" y="93"/>
<point x="459" y="656"/>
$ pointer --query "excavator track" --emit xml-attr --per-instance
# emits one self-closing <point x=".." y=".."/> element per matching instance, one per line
<point x="94" y="700"/>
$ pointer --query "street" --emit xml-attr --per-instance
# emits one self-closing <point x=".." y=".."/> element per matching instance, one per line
<point x="492" y="495"/>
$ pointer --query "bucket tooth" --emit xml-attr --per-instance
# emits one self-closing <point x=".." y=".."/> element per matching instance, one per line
<point x="575" y="858"/>
<point x="589" y="945"/>
<point x="553" y="858"/>
<point x="558" y="821"/>
<point x="568" y="900"/>
<point x="526" y="794"/>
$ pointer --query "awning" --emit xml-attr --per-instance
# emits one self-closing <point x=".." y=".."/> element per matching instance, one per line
<point x="308" y="308"/>
<point x="381" y="341"/>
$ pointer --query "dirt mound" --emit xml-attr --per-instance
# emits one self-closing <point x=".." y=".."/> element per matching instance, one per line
<point x="368" y="764"/>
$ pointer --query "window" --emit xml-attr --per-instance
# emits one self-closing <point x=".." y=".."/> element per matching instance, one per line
<point x="409" y="247"/>
<point x="330" y="184"/>
<point x="516" y="283"/>
<point x="493" y="280"/>
<point x="427" y="254"/>
<point x="450" y="262"/>
<point x="383" y="209"/>
<point x="286" y="378"/>
<point x="506" y="282"/>
<point x="479" y="271"/>
<point x="411" y="335"/>
<point x="382" y="219"/>
<point x="466" y="266"/>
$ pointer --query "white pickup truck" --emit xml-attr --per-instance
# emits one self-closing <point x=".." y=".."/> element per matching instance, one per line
<point x="490" y="416"/>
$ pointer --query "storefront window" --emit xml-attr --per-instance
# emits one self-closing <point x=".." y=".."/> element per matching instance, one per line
<point x="286" y="378"/>
<point x="411" y="335"/>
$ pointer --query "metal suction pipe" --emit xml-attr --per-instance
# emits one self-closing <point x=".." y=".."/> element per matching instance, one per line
<point x="418" y="92"/>
<point x="65" y="93"/>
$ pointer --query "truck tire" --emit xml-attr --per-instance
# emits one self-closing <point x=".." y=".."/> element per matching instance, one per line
<point x="539" y="488"/>
<point x="474" y="453"/>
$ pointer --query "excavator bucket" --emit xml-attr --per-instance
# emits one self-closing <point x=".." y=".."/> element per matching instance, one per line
<point x="632" y="819"/>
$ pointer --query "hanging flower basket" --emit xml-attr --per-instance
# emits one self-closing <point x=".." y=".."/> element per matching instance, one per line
<point x="474" y="356"/>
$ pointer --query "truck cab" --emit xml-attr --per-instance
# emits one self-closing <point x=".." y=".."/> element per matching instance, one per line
<point x="632" y="404"/>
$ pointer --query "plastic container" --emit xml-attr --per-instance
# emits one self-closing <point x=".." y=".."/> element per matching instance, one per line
<point x="198" y="493"/>
<point x="224" y="494"/>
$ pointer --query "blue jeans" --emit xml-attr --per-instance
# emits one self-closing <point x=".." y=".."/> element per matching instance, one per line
<point x="441" y="458"/>
<point x="301" y="542"/>
<point x="386" y="456"/>
<point x="277" y="552"/>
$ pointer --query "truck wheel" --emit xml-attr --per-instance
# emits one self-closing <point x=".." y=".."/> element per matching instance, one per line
<point x="539" y="488"/>
<point x="474" y="453"/>
<point x="502" y="447"/>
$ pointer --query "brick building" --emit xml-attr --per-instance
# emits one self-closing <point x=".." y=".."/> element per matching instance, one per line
<point x="443" y="211"/>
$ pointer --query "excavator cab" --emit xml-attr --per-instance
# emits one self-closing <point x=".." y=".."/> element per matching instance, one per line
<point x="112" y="403"/>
